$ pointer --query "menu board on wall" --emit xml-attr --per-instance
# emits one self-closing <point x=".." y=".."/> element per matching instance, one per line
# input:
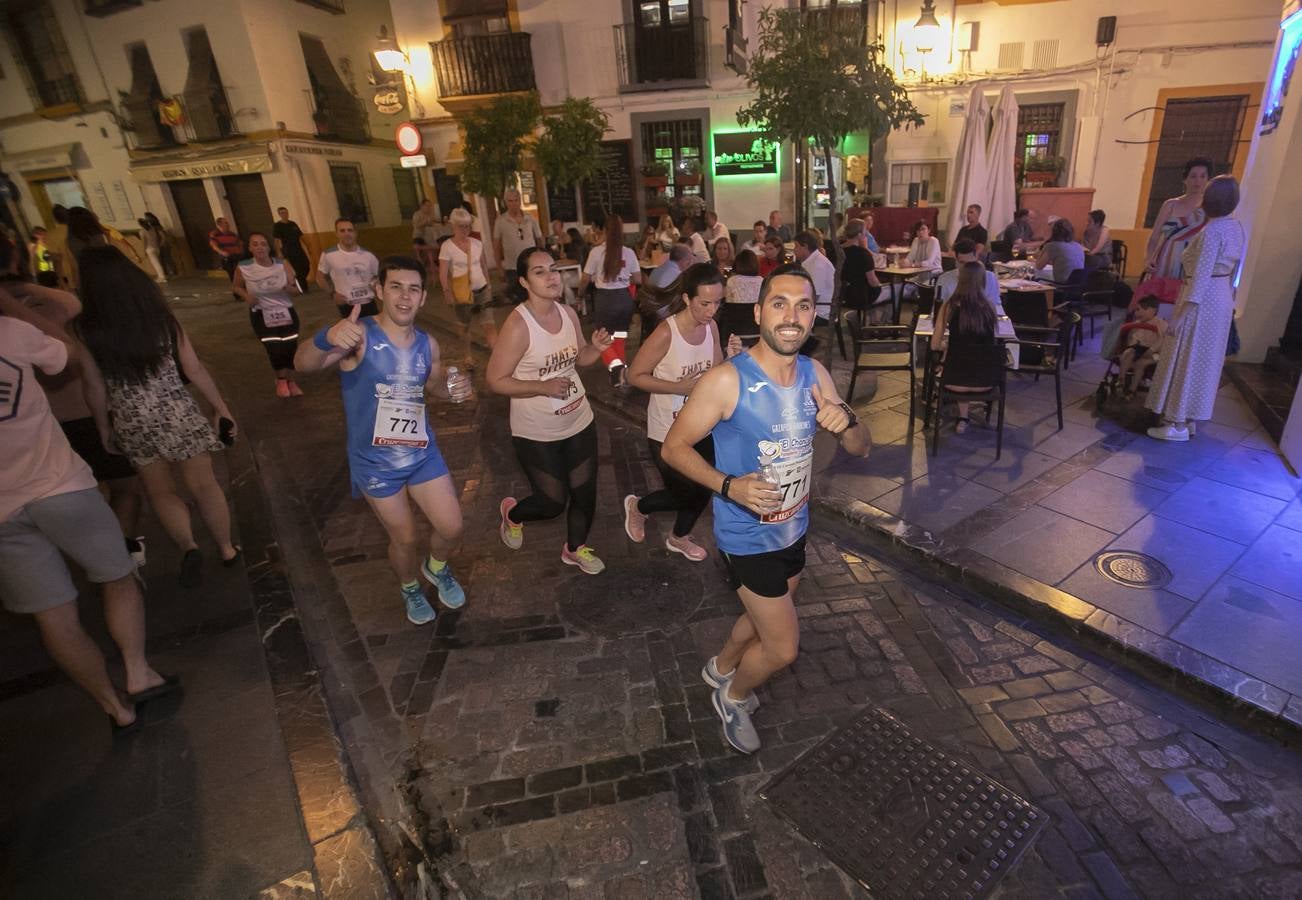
<point x="612" y="188"/>
<point x="561" y="203"/>
<point x="528" y="189"/>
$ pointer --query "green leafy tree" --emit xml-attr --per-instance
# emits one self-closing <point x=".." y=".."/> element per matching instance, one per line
<point x="569" y="148"/>
<point x="496" y="136"/>
<point x="816" y="79"/>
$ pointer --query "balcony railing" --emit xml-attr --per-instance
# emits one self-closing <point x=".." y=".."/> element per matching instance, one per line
<point x="146" y="126"/>
<point x="340" y="116"/>
<point x="484" y="64"/>
<point x="99" y="8"/>
<point x="207" y="117"/>
<point x="655" y="57"/>
<point x="57" y="91"/>
<point x="330" y="6"/>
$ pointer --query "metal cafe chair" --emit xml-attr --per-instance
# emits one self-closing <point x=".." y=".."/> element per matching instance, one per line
<point x="881" y="348"/>
<point x="1119" y="258"/>
<point x="1051" y="344"/>
<point x="973" y="366"/>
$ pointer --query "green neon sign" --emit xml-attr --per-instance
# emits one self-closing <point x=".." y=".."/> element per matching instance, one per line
<point x="744" y="153"/>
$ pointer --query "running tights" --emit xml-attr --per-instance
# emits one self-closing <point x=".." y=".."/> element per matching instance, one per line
<point x="680" y="495"/>
<point x="560" y="471"/>
<point x="280" y="342"/>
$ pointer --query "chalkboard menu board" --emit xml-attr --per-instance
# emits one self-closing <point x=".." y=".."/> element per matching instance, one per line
<point x="561" y="203"/>
<point x="613" y="187"/>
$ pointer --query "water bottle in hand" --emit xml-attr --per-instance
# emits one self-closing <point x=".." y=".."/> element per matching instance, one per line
<point x="454" y="380"/>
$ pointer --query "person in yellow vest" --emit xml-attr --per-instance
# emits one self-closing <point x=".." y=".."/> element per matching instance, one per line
<point x="42" y="259"/>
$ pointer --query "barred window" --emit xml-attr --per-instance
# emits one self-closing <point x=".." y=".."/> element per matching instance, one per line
<point x="407" y="184"/>
<point x="1198" y="126"/>
<point x="350" y="193"/>
<point x="42" y="55"/>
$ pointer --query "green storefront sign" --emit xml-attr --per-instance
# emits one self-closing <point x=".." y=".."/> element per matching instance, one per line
<point x="744" y="153"/>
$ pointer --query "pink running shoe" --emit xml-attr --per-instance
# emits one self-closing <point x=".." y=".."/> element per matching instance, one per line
<point x="634" y="521"/>
<point x="687" y="547"/>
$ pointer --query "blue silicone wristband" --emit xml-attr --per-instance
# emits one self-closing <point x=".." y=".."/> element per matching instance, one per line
<point x="320" y="342"/>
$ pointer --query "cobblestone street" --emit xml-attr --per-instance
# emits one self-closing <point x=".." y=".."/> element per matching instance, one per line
<point x="555" y="739"/>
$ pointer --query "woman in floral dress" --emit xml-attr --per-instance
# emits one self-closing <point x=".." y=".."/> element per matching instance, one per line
<point x="1193" y="352"/>
<point x="1178" y="222"/>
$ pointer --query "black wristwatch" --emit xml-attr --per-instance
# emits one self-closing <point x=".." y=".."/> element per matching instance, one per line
<point x="723" y="488"/>
<point x="849" y="411"/>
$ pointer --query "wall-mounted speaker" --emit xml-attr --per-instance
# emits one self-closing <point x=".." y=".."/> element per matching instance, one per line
<point x="1107" y="31"/>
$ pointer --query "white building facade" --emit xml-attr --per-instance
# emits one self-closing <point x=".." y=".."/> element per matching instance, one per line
<point x="194" y="112"/>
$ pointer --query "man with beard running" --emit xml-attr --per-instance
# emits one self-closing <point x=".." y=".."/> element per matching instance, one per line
<point x="762" y="408"/>
<point x="386" y="365"/>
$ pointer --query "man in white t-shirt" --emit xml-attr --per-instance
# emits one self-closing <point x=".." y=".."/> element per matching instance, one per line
<point x="348" y="271"/>
<point x="965" y="251"/>
<point x="51" y="507"/>
<point x="513" y="231"/>
<point x="692" y="238"/>
<point x="714" y="229"/>
<point x="810" y="255"/>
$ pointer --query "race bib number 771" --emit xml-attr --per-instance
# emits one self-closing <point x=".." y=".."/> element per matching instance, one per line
<point x="793" y="479"/>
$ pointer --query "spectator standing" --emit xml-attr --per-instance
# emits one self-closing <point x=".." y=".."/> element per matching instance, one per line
<point x="1193" y="353"/>
<point x="227" y="245"/>
<point x="513" y="232"/>
<point x="57" y="241"/>
<point x="165" y="249"/>
<point x="43" y="261"/>
<point x="153" y="242"/>
<point x="612" y="267"/>
<point x="1178" y="222"/>
<point x="288" y="239"/>
<point x="463" y="275"/>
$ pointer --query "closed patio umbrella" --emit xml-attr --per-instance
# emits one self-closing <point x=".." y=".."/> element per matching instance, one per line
<point x="1001" y="153"/>
<point x="971" y="172"/>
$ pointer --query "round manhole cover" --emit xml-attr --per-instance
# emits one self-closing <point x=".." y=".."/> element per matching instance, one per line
<point x="1137" y="570"/>
<point x="650" y="597"/>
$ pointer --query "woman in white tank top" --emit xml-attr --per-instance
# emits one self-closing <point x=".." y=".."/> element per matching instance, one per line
<point x="667" y="366"/>
<point x="535" y="363"/>
<point x="268" y="286"/>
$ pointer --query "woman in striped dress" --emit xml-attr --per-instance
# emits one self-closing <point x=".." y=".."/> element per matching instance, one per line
<point x="1179" y="221"/>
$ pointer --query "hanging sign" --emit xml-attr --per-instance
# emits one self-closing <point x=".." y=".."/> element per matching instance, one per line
<point x="414" y="162"/>
<point x="408" y="138"/>
<point x="744" y="153"/>
<point x="388" y="102"/>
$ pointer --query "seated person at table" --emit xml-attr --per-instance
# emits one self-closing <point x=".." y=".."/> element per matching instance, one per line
<point x="721" y="254"/>
<point x="666" y="233"/>
<point x="557" y="239"/>
<point x="777" y="229"/>
<point x="866" y="217"/>
<point x="860" y="288"/>
<point x="970" y="320"/>
<point x="758" y="234"/>
<point x="1020" y="233"/>
<point x="741" y="293"/>
<point x="1097" y="241"/>
<point x="924" y="253"/>
<point x="692" y="238"/>
<point x="714" y="229"/>
<point x="1139" y="338"/>
<point x="775" y="254"/>
<point x="1061" y="252"/>
<point x="973" y="230"/>
<point x="965" y="252"/>
<point x="665" y="274"/>
<point x="647" y="243"/>
<point x="576" y="249"/>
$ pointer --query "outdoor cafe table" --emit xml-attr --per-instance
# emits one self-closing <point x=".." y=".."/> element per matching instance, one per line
<point x="1027" y="286"/>
<point x="898" y="274"/>
<point x="926" y="328"/>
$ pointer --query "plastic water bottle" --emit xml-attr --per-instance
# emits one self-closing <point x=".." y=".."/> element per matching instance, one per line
<point x="454" y="375"/>
<point x="769" y="472"/>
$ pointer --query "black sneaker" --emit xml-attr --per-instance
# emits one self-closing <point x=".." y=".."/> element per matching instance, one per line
<point x="191" y="569"/>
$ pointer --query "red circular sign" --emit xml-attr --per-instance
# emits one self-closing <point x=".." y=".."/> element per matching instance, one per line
<point x="407" y="137"/>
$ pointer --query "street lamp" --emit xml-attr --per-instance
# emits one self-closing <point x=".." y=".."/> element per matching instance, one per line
<point x="926" y="31"/>
<point x="387" y="55"/>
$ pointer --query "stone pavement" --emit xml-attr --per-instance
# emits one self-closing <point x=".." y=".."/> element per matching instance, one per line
<point x="554" y="739"/>
<point x="232" y="790"/>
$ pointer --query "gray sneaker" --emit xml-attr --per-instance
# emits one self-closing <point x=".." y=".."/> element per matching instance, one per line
<point x="711" y="676"/>
<point x="737" y="727"/>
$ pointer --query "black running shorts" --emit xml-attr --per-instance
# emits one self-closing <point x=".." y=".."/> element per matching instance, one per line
<point x="766" y="574"/>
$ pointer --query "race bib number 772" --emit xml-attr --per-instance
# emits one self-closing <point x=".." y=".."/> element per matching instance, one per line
<point x="399" y="423"/>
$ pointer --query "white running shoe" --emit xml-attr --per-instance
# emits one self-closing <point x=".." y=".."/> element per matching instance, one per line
<point x="1168" y="433"/>
<point x="714" y="678"/>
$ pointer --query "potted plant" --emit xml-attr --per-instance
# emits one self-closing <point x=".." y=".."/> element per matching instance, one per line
<point x="655" y="174"/>
<point x="689" y="172"/>
<point x="1043" y="170"/>
<point x="659" y="204"/>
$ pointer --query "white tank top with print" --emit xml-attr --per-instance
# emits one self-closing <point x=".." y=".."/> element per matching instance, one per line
<point x="682" y="360"/>
<point x="549" y="356"/>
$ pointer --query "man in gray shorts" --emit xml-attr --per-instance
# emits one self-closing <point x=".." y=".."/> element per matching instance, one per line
<point x="49" y="505"/>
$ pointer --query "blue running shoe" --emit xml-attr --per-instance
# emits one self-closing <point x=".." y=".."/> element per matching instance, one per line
<point x="419" y="612"/>
<point x="451" y="594"/>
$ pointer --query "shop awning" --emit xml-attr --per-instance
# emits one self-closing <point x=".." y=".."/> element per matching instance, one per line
<point x="179" y="167"/>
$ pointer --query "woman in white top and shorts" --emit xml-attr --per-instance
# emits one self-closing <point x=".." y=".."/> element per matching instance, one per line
<point x="535" y="364"/>
<point x="463" y="275"/>
<point x="267" y="285"/>
<point x="613" y="267"/>
<point x="668" y="364"/>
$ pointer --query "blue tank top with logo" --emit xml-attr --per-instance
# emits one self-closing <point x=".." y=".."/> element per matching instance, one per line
<point x="384" y="406"/>
<point x="771" y="424"/>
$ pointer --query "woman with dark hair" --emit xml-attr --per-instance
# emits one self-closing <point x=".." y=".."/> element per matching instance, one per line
<point x="268" y="286"/>
<point x="1097" y="241"/>
<point x="612" y="267"/>
<point x="84" y="231"/>
<point x="576" y="248"/>
<point x="970" y="320"/>
<point x="924" y="250"/>
<point x="153" y="242"/>
<point x="775" y="254"/>
<point x="737" y="315"/>
<point x="1177" y="223"/>
<point x="135" y="353"/>
<point x="668" y="364"/>
<point x="1061" y="252"/>
<point x="1193" y="351"/>
<point x="535" y="364"/>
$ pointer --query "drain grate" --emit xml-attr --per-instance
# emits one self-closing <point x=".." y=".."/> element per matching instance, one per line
<point x="1137" y="570"/>
<point x="901" y="817"/>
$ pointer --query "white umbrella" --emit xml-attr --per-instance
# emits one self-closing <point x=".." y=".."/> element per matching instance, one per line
<point x="971" y="172"/>
<point x="999" y="157"/>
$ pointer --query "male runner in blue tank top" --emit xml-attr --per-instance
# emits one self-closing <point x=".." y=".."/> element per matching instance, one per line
<point x="386" y="366"/>
<point x="763" y="408"/>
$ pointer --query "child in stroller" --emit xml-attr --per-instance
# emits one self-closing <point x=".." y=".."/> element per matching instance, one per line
<point x="1131" y="348"/>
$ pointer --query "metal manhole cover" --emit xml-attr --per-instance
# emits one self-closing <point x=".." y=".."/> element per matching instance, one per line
<point x="654" y="596"/>
<point x="901" y="817"/>
<point x="1137" y="570"/>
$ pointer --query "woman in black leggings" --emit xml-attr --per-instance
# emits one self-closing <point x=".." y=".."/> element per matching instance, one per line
<point x="682" y="348"/>
<point x="534" y="363"/>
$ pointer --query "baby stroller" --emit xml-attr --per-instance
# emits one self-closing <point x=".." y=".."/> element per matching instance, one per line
<point x="1116" y="338"/>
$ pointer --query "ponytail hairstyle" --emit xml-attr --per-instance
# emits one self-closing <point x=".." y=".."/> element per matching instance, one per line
<point x="697" y="276"/>
<point x="614" y="261"/>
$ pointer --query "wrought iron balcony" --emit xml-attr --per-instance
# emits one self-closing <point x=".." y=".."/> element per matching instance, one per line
<point x="652" y="58"/>
<point x="484" y="64"/>
<point x="100" y="8"/>
<point x="340" y="116"/>
<point x="206" y="115"/>
<point x="145" y="124"/>
<point x="330" y="6"/>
